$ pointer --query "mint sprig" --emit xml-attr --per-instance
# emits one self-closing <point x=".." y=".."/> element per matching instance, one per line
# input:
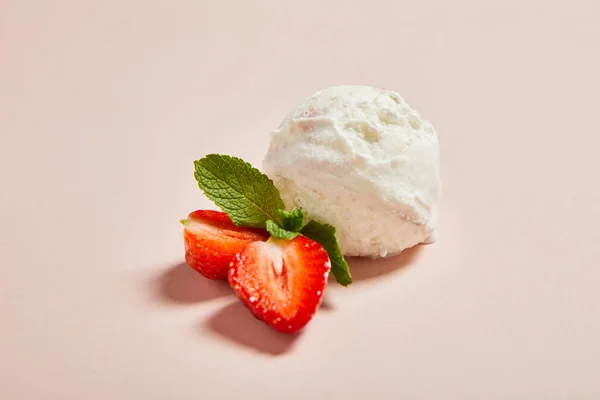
<point x="325" y="235"/>
<point x="292" y="220"/>
<point x="248" y="196"/>
<point x="251" y="199"/>
<point x="279" y="232"/>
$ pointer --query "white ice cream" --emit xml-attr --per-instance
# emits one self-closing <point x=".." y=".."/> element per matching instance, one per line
<point x="360" y="159"/>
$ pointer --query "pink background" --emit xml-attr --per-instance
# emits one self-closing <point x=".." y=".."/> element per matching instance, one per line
<point x="105" y="104"/>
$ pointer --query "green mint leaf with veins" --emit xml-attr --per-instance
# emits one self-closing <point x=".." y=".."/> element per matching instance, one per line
<point x="325" y="235"/>
<point x="279" y="232"/>
<point x="247" y="195"/>
<point x="292" y="220"/>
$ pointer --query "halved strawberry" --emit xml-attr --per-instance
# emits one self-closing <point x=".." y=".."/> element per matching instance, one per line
<point x="282" y="281"/>
<point x="212" y="241"/>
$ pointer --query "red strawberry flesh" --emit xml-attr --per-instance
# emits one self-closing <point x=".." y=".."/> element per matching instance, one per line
<point x="212" y="241"/>
<point x="282" y="281"/>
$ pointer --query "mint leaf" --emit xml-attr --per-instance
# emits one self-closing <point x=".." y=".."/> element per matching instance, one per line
<point x="251" y="199"/>
<point x="292" y="220"/>
<point x="247" y="195"/>
<point x="325" y="235"/>
<point x="279" y="232"/>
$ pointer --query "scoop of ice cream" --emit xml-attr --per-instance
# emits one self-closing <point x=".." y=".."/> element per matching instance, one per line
<point x="360" y="159"/>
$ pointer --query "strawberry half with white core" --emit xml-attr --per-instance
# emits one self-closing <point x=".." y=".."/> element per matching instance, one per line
<point x="212" y="241"/>
<point x="282" y="281"/>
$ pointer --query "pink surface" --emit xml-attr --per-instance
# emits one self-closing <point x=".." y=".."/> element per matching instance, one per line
<point x="105" y="104"/>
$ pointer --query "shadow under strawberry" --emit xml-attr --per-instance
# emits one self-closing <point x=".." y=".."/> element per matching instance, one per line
<point x="235" y="323"/>
<point x="181" y="284"/>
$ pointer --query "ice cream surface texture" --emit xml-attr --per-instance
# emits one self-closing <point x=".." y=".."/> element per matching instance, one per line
<point x="359" y="158"/>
